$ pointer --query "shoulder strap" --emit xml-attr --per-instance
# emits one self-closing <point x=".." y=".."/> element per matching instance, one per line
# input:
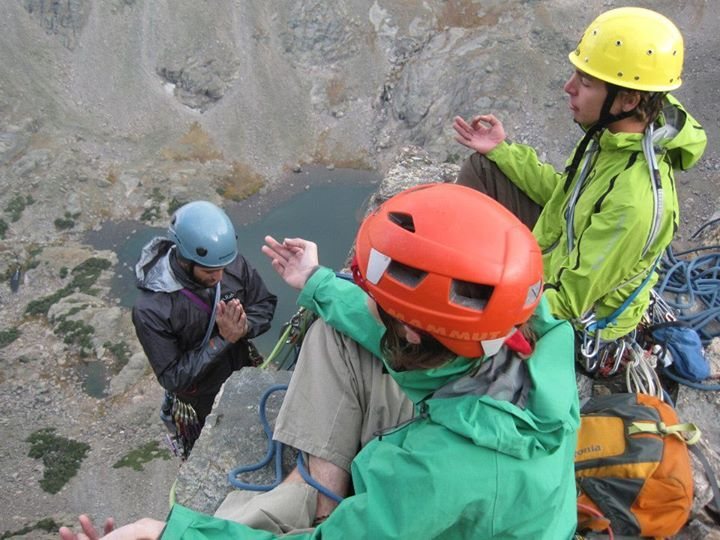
<point x="714" y="505"/>
<point x="195" y="299"/>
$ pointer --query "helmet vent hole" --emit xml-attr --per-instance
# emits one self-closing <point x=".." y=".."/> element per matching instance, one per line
<point x="201" y="251"/>
<point x="620" y="74"/>
<point x="407" y="275"/>
<point x="637" y="77"/>
<point x="618" y="43"/>
<point x="650" y="52"/>
<point x="403" y="220"/>
<point x="471" y="295"/>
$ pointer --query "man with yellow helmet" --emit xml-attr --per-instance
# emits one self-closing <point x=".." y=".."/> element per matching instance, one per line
<point x="603" y="221"/>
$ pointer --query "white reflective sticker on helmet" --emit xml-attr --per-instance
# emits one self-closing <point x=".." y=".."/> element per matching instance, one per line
<point x="492" y="346"/>
<point x="377" y="264"/>
<point x="533" y="293"/>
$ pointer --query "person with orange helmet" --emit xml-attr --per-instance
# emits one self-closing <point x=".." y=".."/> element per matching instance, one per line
<point x="435" y="400"/>
<point x="605" y="220"/>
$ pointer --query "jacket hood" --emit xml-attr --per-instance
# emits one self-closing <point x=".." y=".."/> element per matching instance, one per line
<point x="153" y="270"/>
<point x="530" y="416"/>
<point x="676" y="133"/>
<point x="681" y="135"/>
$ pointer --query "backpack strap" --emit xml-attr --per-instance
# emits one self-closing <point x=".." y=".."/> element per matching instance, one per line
<point x="687" y="432"/>
<point x="713" y="506"/>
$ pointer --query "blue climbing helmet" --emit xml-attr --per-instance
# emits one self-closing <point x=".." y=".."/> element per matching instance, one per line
<point x="204" y="234"/>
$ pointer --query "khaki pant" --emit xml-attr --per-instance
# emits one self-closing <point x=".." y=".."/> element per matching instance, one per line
<point x="482" y="174"/>
<point x="339" y="397"/>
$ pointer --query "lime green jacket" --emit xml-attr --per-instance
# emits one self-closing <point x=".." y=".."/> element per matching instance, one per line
<point x="597" y="262"/>
<point x="468" y="466"/>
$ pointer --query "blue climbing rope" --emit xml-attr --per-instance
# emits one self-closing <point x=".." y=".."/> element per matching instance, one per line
<point x="314" y="483"/>
<point x="692" y="384"/>
<point x="691" y="286"/>
<point x="274" y="453"/>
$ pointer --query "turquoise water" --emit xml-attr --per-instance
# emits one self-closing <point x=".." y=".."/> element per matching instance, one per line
<point x="328" y="213"/>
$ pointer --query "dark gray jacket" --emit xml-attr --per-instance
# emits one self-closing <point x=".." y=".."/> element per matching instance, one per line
<point x="171" y="327"/>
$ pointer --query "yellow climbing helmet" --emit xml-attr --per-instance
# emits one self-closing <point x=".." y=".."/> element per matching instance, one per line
<point x="632" y="48"/>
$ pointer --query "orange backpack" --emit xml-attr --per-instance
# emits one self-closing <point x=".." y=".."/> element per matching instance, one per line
<point x="632" y="466"/>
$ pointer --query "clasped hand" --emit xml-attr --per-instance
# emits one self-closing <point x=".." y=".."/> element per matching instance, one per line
<point x="231" y="320"/>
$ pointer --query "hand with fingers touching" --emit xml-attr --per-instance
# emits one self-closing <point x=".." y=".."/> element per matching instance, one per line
<point x="482" y="134"/>
<point x="295" y="259"/>
<point x="231" y="320"/>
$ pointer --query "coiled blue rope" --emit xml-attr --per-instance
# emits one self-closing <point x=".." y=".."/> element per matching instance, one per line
<point x="274" y="452"/>
<point x="695" y="285"/>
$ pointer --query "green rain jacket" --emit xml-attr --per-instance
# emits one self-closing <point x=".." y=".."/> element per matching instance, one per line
<point x="468" y="466"/>
<point x="597" y="261"/>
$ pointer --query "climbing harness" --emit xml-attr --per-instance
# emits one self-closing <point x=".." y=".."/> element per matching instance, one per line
<point x="591" y="326"/>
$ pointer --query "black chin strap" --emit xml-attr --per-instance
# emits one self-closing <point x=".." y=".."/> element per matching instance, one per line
<point x="604" y="121"/>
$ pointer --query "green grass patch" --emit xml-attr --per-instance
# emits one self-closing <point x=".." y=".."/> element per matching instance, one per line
<point x="152" y="213"/>
<point x="16" y="205"/>
<point x="76" y="333"/>
<point x="135" y="459"/>
<point x="121" y="352"/>
<point x="84" y="277"/>
<point x="66" y="222"/>
<point x="62" y="457"/>
<point x="173" y="205"/>
<point x="46" y="524"/>
<point x="8" y="336"/>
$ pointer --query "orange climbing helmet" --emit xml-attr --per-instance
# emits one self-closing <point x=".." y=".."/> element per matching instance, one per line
<point x="452" y="262"/>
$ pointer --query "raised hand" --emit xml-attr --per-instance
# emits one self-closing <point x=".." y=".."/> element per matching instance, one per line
<point x="294" y="259"/>
<point x="482" y="134"/>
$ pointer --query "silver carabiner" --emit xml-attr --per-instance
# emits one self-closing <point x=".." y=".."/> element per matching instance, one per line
<point x="620" y="348"/>
<point x="589" y="350"/>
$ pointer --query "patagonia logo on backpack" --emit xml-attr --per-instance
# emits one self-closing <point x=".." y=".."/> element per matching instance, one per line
<point x="632" y="466"/>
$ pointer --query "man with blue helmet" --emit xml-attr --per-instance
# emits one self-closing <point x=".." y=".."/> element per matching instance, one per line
<point x="200" y="303"/>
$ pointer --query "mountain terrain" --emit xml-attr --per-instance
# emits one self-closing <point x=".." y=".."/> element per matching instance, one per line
<point x="117" y="111"/>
